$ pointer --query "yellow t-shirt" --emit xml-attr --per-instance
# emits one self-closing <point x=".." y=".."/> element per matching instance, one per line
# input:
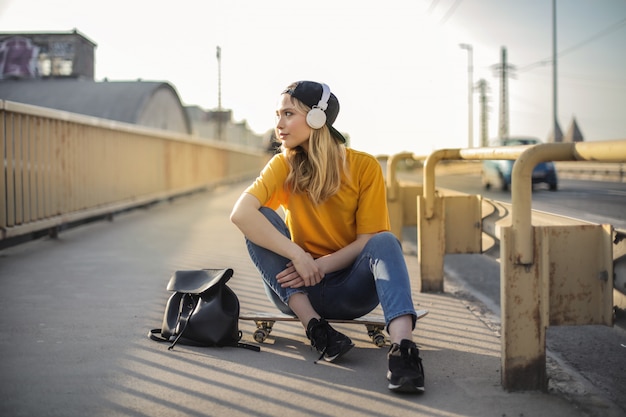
<point x="359" y="207"/>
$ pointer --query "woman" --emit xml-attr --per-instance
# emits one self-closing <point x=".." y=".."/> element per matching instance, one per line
<point x="333" y="256"/>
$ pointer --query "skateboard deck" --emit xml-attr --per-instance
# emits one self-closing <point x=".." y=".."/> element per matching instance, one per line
<point x="374" y="323"/>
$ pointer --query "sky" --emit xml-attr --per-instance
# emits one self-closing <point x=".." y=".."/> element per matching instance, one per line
<point x="396" y="67"/>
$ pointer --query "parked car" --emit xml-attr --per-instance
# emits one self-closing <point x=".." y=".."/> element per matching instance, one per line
<point x="497" y="173"/>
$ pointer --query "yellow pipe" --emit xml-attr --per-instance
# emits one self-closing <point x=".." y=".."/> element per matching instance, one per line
<point x="521" y="183"/>
<point x="392" y="183"/>
<point x="429" y="176"/>
<point x="521" y="193"/>
<point x="504" y="152"/>
<point x="605" y="151"/>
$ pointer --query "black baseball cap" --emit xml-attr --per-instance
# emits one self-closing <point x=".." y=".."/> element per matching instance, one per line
<point x="310" y="93"/>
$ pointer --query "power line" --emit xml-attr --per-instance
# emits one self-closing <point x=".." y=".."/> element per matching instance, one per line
<point x="579" y="45"/>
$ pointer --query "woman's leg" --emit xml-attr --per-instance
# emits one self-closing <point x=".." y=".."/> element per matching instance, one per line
<point x="393" y="286"/>
<point x="379" y="274"/>
<point x="300" y="304"/>
<point x="401" y="328"/>
<point x="405" y="371"/>
<point x="330" y="343"/>
<point x="269" y="264"/>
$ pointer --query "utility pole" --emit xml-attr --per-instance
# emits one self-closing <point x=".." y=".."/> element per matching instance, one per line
<point x="218" y="54"/>
<point x="219" y="112"/>
<point x="503" y="71"/>
<point x="484" y="112"/>
<point x="557" y="135"/>
<point x="470" y="92"/>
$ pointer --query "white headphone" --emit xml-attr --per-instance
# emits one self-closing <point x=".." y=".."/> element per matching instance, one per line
<point x="316" y="117"/>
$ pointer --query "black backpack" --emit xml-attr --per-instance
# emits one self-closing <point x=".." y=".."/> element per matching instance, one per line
<point x="203" y="311"/>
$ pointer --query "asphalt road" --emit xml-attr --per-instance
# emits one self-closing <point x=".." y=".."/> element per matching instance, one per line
<point x="592" y="201"/>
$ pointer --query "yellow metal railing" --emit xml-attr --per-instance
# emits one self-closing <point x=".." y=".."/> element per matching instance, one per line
<point x="521" y="186"/>
<point x="60" y="167"/>
<point x="521" y="192"/>
<point x="551" y="274"/>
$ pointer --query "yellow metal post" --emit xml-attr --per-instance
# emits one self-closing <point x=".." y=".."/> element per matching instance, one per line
<point x="523" y="302"/>
<point x="395" y="204"/>
<point x="430" y="244"/>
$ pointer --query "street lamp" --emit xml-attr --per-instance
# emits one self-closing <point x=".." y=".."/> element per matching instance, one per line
<point x="470" y="92"/>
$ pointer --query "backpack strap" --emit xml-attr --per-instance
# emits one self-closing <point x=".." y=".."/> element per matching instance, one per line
<point x="177" y="316"/>
<point x="246" y="345"/>
<point x="187" y="306"/>
<point x="155" y="334"/>
<point x="173" y="310"/>
<point x="170" y="318"/>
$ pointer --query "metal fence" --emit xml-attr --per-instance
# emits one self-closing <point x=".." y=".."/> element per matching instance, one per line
<point x="558" y="273"/>
<point x="60" y="167"/>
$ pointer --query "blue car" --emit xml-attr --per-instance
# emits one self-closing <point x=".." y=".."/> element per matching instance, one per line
<point x="497" y="174"/>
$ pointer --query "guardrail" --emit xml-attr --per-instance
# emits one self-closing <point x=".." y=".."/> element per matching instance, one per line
<point x="60" y="168"/>
<point x="592" y="170"/>
<point x="550" y="274"/>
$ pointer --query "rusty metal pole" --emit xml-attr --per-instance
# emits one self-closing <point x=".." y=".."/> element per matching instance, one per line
<point x="521" y="192"/>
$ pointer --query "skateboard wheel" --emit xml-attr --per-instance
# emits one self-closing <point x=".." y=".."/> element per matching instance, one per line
<point x="260" y="335"/>
<point x="379" y="340"/>
<point x="375" y="333"/>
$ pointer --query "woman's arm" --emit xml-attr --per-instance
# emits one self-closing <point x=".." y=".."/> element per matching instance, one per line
<point x="336" y="261"/>
<point x="253" y="224"/>
<point x="345" y="256"/>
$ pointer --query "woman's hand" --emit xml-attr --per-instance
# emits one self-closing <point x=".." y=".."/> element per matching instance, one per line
<point x="301" y="272"/>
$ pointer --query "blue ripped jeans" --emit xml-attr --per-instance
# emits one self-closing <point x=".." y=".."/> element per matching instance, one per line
<point x="378" y="275"/>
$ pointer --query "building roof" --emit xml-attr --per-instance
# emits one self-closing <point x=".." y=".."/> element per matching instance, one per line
<point x="73" y="32"/>
<point x="121" y="101"/>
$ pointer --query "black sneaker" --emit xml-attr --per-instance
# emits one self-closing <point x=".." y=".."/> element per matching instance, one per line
<point x="406" y="373"/>
<point x="329" y="342"/>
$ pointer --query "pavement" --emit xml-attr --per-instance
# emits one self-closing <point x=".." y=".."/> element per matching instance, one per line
<point x="76" y="311"/>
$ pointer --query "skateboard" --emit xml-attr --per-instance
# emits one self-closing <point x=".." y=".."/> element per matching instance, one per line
<point x="375" y="324"/>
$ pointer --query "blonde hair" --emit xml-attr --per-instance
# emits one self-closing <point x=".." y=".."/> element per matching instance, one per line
<point x="317" y="172"/>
